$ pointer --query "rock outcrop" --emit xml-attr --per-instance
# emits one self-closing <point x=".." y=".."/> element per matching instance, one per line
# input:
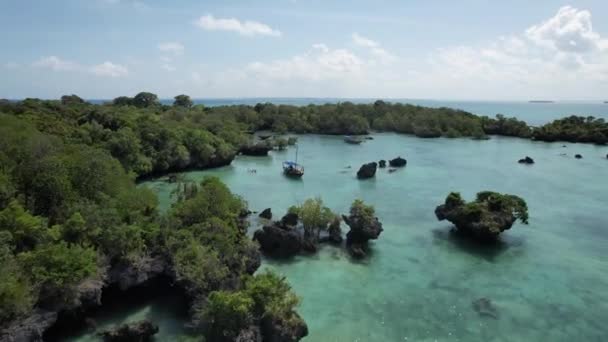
<point x="278" y="240"/>
<point x="367" y="170"/>
<point x="578" y="156"/>
<point x="30" y="328"/>
<point x="526" y="160"/>
<point x="141" y="331"/>
<point x="256" y="150"/>
<point x="397" y="162"/>
<point x="128" y="274"/>
<point x="382" y="163"/>
<point x="335" y="232"/>
<point x="485" y="308"/>
<point x="486" y="217"/>
<point x="284" y="330"/>
<point x="363" y="227"/>
<point x="290" y="220"/>
<point x="251" y="334"/>
<point x="266" y="214"/>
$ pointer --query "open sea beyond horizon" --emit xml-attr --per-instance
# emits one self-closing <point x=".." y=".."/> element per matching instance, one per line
<point x="548" y="280"/>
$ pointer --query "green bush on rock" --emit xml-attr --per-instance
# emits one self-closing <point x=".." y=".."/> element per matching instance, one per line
<point x="489" y="215"/>
<point x="265" y="301"/>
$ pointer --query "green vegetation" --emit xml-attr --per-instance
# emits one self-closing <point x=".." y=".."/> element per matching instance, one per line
<point x="574" y="129"/>
<point x="70" y="210"/>
<point x="315" y="217"/>
<point x="489" y="215"/>
<point x="263" y="297"/>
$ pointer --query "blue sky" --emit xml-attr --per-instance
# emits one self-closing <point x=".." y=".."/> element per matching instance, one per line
<point x="469" y="49"/>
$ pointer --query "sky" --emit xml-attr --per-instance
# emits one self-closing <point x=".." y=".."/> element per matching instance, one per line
<point x="452" y="50"/>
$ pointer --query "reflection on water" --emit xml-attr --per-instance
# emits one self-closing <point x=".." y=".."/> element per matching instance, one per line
<point x="157" y="302"/>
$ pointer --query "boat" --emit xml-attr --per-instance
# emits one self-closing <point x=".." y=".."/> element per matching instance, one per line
<point x="349" y="139"/>
<point x="292" y="168"/>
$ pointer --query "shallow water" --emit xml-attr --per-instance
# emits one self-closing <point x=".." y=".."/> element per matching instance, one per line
<point x="548" y="281"/>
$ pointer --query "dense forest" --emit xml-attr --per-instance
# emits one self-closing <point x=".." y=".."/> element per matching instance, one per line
<point x="72" y="219"/>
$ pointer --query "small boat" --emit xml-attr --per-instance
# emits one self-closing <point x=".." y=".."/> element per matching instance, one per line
<point x="349" y="139"/>
<point x="293" y="169"/>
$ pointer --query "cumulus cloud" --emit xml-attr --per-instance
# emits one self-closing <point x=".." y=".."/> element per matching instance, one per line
<point x="570" y="30"/>
<point x="109" y="69"/>
<point x="374" y="47"/>
<point x="174" y="48"/>
<point x="564" y="48"/>
<point x="246" y="28"/>
<point x="317" y="64"/>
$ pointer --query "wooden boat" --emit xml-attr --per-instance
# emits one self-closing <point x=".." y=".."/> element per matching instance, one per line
<point x="349" y="139"/>
<point x="292" y="168"/>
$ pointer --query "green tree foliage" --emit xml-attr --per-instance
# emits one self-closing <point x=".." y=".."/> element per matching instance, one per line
<point x="574" y="129"/>
<point x="71" y="100"/>
<point x="59" y="265"/>
<point x="24" y="230"/>
<point x="213" y="199"/>
<point x="264" y="296"/>
<point x="183" y="101"/>
<point x="16" y="295"/>
<point x="489" y="215"/>
<point x="227" y="313"/>
<point x="272" y="295"/>
<point x="366" y="214"/>
<point x="123" y="101"/>
<point x="314" y="215"/>
<point x="145" y="99"/>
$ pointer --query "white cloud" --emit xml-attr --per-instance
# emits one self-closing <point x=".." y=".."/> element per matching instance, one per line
<point x="174" y="48"/>
<point x="246" y="28"/>
<point x="560" y="53"/>
<point x="106" y="69"/>
<point x="317" y="64"/>
<point x="55" y="63"/>
<point x="570" y="30"/>
<point x="109" y="69"/>
<point x="374" y="47"/>
<point x="365" y="42"/>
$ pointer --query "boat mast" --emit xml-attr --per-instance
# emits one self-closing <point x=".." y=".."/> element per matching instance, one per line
<point x="296" y="153"/>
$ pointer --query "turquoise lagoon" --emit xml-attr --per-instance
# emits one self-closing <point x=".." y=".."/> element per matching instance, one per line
<point x="548" y="280"/>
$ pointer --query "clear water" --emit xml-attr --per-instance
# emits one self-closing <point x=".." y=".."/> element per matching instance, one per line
<point x="548" y="280"/>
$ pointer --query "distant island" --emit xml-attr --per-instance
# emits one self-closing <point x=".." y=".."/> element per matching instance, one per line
<point x="541" y="101"/>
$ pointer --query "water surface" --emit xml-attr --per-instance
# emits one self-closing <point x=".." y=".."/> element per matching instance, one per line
<point x="548" y="280"/>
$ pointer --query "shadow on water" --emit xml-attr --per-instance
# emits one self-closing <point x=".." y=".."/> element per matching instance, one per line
<point x="488" y="250"/>
<point x="156" y="300"/>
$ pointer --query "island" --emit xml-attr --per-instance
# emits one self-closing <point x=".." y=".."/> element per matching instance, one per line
<point x="304" y="227"/>
<point x="490" y="214"/>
